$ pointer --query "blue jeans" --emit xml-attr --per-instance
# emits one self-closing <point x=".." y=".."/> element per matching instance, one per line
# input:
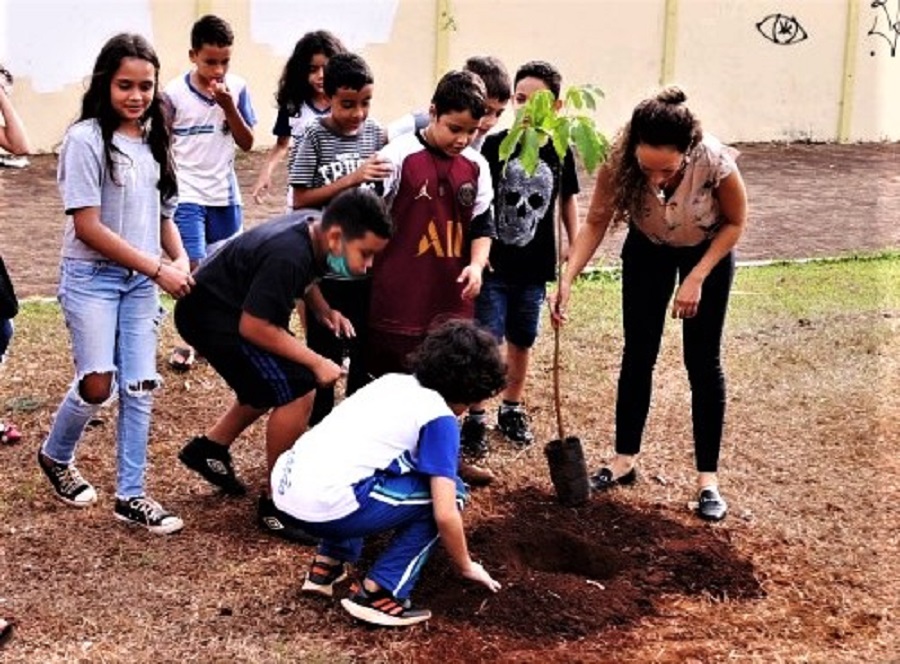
<point x="113" y="316"/>
<point x="6" y="332"/>
<point x="399" y="503"/>
<point x="510" y="310"/>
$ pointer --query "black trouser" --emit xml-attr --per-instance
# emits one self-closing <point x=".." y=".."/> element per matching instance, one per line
<point x="351" y="298"/>
<point x="649" y="274"/>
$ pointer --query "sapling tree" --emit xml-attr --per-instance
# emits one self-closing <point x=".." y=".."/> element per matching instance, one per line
<point x="566" y="123"/>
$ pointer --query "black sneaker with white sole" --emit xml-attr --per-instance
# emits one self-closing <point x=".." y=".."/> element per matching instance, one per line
<point x="213" y="462"/>
<point x="382" y="608"/>
<point x="146" y="512"/>
<point x="68" y="484"/>
<point x="275" y="522"/>
<point x="513" y="423"/>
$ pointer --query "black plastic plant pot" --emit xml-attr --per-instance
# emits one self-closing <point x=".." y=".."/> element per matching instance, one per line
<point x="568" y="471"/>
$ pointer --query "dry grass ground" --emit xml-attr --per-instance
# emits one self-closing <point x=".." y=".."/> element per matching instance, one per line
<point x="805" y="569"/>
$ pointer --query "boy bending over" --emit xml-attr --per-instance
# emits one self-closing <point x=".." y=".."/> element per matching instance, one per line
<point x="237" y="316"/>
<point x="386" y="459"/>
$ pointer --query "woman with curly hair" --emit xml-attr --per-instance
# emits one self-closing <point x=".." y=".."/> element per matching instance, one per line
<point x="683" y="199"/>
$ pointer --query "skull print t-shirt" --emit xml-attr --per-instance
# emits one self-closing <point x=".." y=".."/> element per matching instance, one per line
<point x="524" y="250"/>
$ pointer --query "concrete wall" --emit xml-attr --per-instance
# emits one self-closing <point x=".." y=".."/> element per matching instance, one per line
<point x="754" y="70"/>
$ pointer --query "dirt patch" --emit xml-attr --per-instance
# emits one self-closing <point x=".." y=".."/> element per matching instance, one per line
<point x="803" y="569"/>
<point x="562" y="584"/>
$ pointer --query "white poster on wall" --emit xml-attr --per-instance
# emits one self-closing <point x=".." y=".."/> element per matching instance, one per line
<point x="55" y="43"/>
<point x="280" y="23"/>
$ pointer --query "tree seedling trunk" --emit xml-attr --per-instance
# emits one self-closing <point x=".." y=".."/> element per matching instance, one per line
<point x="540" y="120"/>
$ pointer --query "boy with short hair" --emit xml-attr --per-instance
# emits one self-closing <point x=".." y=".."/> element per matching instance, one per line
<point x="337" y="152"/>
<point x="238" y="315"/>
<point x="523" y="258"/>
<point x="439" y="193"/>
<point x="211" y="113"/>
<point x="497" y="85"/>
<point x="386" y="459"/>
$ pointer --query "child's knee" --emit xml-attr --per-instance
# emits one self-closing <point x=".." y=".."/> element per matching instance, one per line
<point x="141" y="388"/>
<point x="96" y="388"/>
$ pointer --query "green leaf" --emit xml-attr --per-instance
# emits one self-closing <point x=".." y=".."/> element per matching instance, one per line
<point x="587" y="143"/>
<point x="574" y="98"/>
<point x="540" y="121"/>
<point x="508" y="144"/>
<point x="546" y="103"/>
<point x="530" y="148"/>
<point x="560" y="137"/>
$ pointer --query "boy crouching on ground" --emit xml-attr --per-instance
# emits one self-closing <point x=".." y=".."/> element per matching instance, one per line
<point x="386" y="459"/>
<point x="237" y="316"/>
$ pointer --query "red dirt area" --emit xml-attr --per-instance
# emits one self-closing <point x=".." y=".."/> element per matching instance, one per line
<point x="561" y="587"/>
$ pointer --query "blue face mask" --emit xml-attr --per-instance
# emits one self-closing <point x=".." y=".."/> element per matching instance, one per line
<point x="337" y="265"/>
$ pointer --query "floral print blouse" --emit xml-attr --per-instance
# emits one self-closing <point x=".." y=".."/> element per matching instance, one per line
<point x="691" y="214"/>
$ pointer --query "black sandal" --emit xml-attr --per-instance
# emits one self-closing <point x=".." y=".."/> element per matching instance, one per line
<point x="603" y="479"/>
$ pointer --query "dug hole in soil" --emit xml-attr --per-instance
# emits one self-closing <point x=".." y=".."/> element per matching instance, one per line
<point x="560" y="584"/>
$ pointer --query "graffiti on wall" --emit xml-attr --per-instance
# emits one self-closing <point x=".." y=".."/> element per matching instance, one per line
<point x="781" y="29"/>
<point x="885" y="25"/>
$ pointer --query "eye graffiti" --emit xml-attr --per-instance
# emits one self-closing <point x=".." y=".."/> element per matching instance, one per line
<point x="781" y="29"/>
<point x="886" y="26"/>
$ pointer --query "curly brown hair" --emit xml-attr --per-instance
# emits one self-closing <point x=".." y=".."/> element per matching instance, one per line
<point x="461" y="362"/>
<point x="661" y="120"/>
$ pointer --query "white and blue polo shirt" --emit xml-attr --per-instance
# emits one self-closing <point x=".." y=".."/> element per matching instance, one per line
<point x="202" y="144"/>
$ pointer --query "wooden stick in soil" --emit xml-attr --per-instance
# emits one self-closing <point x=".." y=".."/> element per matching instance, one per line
<point x="557" y="400"/>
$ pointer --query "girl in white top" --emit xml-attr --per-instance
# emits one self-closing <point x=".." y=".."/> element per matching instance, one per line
<point x="685" y="203"/>
<point x="301" y="100"/>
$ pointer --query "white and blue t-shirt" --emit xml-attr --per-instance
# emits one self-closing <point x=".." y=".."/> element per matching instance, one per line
<point x="391" y="426"/>
<point x="202" y="144"/>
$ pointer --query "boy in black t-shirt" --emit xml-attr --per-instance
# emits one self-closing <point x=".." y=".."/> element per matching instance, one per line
<point x="523" y="258"/>
<point x="237" y="317"/>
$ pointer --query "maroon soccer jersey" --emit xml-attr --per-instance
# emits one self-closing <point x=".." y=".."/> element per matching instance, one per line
<point x="434" y="199"/>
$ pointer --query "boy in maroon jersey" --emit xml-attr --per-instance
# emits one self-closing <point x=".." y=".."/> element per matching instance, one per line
<point x="439" y="193"/>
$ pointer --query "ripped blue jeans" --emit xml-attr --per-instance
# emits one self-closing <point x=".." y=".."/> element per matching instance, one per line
<point x="113" y="315"/>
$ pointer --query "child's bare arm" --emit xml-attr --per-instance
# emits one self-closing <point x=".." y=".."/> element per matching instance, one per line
<point x="568" y="210"/>
<point x="333" y="319"/>
<point x="450" y="527"/>
<point x="472" y="274"/>
<point x="12" y="133"/>
<point x="279" y="341"/>
<point x="568" y="214"/>
<point x="88" y="229"/>
<point x="240" y="130"/>
<point x="174" y="283"/>
<point x="373" y="168"/>
<point x="276" y="153"/>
